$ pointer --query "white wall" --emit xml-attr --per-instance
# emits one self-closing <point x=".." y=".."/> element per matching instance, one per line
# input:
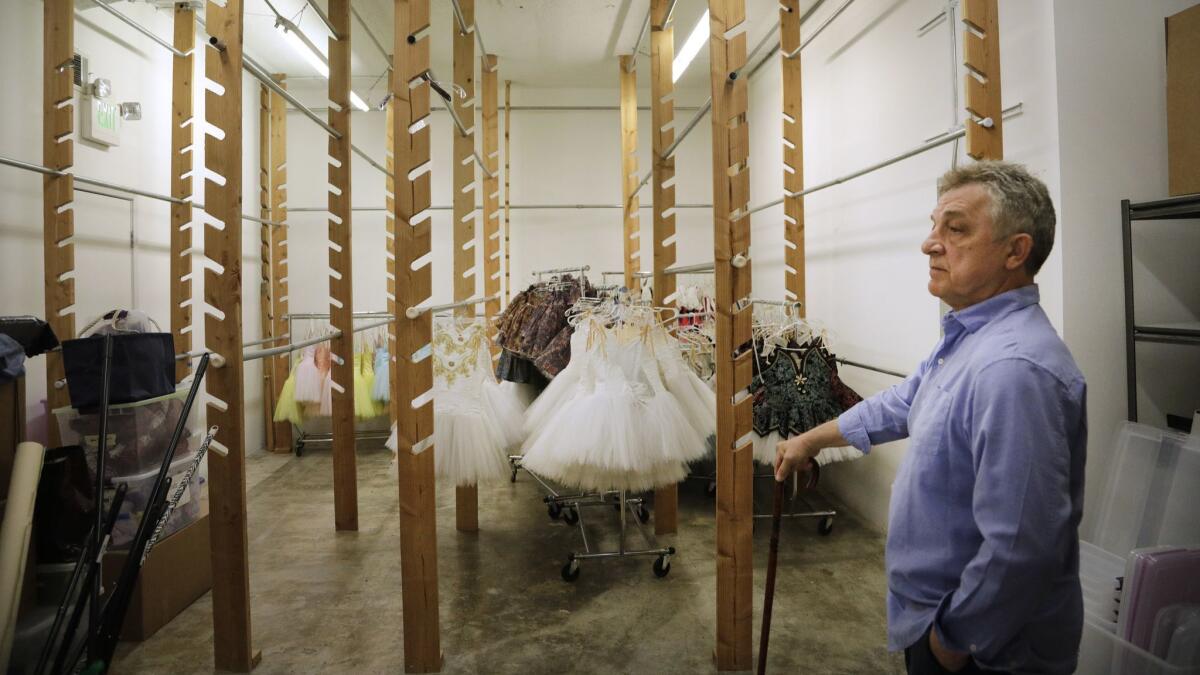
<point x="108" y="273"/>
<point x="1112" y="100"/>
<point x="873" y="88"/>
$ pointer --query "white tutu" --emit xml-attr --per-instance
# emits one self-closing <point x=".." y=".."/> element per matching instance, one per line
<point x="560" y="388"/>
<point x="608" y="422"/>
<point x="309" y="380"/>
<point x="476" y="421"/>
<point x="696" y="399"/>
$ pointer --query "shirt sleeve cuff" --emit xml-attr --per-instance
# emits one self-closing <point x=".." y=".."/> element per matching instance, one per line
<point x="852" y="428"/>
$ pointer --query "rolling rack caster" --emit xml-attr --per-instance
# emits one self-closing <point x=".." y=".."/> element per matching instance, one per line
<point x="662" y="556"/>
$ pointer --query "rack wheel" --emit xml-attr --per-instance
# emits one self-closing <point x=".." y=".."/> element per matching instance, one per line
<point x="711" y="489"/>
<point x="662" y="566"/>
<point x="513" y="478"/>
<point x="643" y="513"/>
<point x="554" y="510"/>
<point x="825" y="526"/>
<point x="570" y="516"/>
<point x="299" y="448"/>
<point x="570" y="571"/>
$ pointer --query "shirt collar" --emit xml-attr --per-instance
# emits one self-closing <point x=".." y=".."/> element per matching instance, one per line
<point x="982" y="313"/>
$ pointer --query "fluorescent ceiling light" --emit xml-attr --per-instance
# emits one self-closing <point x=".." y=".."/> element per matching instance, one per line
<point x="310" y="53"/>
<point x="690" y="48"/>
<point x="307" y="50"/>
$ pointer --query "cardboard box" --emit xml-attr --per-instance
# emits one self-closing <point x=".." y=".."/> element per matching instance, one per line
<point x="177" y="573"/>
<point x="1183" y="102"/>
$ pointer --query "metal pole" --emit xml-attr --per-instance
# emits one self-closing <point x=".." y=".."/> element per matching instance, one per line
<point x="690" y="269"/>
<point x="885" y="371"/>
<point x="704" y="109"/>
<point x="103" y="4"/>
<point x="757" y="48"/>
<point x="414" y="312"/>
<point x="824" y="24"/>
<point x="252" y="67"/>
<point x="285" y="349"/>
<point x="370" y="161"/>
<point x="37" y="168"/>
<point x="458" y="16"/>
<point x="527" y="207"/>
<point x="637" y="45"/>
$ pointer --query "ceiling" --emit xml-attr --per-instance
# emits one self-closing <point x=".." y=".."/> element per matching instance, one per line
<point x="540" y="43"/>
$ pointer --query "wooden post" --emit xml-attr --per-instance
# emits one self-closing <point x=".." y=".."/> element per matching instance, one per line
<point x="507" y="190"/>
<point x="281" y="365"/>
<point x="731" y="238"/>
<point x="341" y="268"/>
<point x="466" y="497"/>
<point x="232" y="649"/>
<point x="412" y="365"/>
<point x="793" y="155"/>
<point x="266" y="322"/>
<point x="631" y="237"/>
<point x="491" y="195"/>
<point x="182" y="166"/>
<point x="981" y="56"/>
<point x="662" y="134"/>
<point x="58" y="217"/>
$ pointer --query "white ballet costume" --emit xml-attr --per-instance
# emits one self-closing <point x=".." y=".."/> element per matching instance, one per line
<point x="475" y="422"/>
<point x="310" y="382"/>
<point x="698" y="401"/>
<point x="617" y="427"/>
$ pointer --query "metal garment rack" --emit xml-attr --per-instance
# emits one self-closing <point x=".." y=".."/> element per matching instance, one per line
<point x="302" y="437"/>
<point x="570" y="507"/>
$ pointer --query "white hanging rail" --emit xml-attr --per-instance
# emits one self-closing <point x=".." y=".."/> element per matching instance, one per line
<point x="285" y="349"/>
<point x="103" y="4"/>
<point x="38" y="168"/>
<point x="924" y="147"/>
<point x="700" y="268"/>
<point x="414" y="312"/>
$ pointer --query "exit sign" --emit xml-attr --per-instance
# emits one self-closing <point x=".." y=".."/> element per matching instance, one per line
<point x="101" y="121"/>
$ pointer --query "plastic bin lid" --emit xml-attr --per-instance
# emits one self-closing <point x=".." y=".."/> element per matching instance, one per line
<point x="178" y="393"/>
<point x="1153" y="489"/>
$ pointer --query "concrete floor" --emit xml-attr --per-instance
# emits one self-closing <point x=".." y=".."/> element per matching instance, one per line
<point x="330" y="603"/>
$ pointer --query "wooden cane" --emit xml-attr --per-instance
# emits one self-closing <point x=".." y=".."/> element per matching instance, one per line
<point x="772" y="560"/>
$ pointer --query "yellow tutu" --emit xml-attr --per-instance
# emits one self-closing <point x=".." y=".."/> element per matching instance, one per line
<point x="287" y="409"/>
<point x="365" y="407"/>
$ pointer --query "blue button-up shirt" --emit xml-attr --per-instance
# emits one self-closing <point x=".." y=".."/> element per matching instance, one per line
<point x="983" y="540"/>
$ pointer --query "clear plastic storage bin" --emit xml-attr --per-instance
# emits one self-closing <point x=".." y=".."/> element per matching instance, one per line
<point x="1101" y="652"/>
<point x="138" y="433"/>
<point x="186" y="512"/>
<point x="1153" y="494"/>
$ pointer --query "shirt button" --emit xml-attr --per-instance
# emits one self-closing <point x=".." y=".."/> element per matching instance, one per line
<point x="974" y="649"/>
<point x="941" y="361"/>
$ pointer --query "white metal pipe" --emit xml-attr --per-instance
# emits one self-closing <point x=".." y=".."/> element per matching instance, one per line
<point x="103" y="4"/>
<point x="414" y="312"/>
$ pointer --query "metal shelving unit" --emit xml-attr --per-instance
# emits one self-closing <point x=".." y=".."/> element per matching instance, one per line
<point x="1182" y="333"/>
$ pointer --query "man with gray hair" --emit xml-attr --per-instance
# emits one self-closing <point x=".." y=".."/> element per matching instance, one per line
<point x="982" y="544"/>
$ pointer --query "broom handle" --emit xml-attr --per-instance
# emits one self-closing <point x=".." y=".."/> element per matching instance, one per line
<point x="772" y="560"/>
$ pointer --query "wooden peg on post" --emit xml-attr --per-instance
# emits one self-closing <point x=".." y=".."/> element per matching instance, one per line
<point x="631" y="229"/>
<point x="280" y="365"/>
<point x="507" y="190"/>
<point x="981" y="56"/>
<point x="341" y="273"/>
<point x="182" y="166"/>
<point x="58" y="217"/>
<point x="466" y="497"/>
<point x="731" y="238"/>
<point x="662" y="135"/>
<point x="412" y="367"/>
<point x="266" y="322"/>
<point x="232" y="648"/>
<point x="491" y="196"/>
<point x="793" y="153"/>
